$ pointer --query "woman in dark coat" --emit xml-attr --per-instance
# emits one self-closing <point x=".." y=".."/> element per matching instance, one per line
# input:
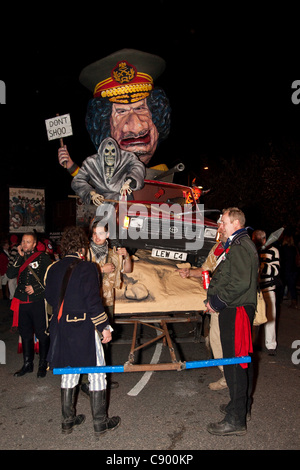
<point x="78" y="321"/>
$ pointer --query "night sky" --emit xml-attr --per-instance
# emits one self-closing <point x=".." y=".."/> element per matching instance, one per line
<point x="229" y="80"/>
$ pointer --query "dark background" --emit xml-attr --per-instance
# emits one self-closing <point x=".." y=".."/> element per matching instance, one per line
<point x="229" y="80"/>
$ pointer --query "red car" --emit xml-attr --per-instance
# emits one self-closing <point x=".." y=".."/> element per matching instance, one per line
<point x="166" y="219"/>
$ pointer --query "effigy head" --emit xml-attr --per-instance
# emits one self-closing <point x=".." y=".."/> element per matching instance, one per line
<point x="126" y="106"/>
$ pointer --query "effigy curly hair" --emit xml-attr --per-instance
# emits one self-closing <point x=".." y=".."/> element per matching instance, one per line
<point x="98" y="115"/>
<point x="73" y="240"/>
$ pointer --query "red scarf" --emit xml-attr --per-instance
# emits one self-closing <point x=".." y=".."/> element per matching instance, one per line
<point x="243" y="339"/>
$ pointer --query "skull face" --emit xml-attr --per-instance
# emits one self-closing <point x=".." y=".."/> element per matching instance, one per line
<point x="110" y="153"/>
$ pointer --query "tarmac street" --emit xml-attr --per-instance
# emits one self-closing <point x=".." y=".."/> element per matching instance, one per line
<point x="161" y="411"/>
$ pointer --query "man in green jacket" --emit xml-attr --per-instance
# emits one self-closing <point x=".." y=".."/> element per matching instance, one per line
<point x="233" y="293"/>
<point x="28" y="305"/>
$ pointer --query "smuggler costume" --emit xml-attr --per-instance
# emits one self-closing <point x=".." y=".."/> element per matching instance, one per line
<point x="233" y="293"/>
<point x="29" y="313"/>
<point x="110" y="281"/>
<point x="72" y="289"/>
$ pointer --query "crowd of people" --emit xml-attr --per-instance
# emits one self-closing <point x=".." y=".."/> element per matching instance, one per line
<point x="78" y="281"/>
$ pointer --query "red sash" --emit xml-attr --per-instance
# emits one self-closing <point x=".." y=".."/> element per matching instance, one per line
<point x="60" y="311"/>
<point x="14" y="306"/>
<point x="243" y="339"/>
<point x="27" y="262"/>
<point x="219" y="250"/>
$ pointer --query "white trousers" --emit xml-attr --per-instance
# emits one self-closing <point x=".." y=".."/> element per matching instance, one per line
<point x="270" y="326"/>
<point x="97" y="381"/>
<point x="215" y="338"/>
<point x="12" y="285"/>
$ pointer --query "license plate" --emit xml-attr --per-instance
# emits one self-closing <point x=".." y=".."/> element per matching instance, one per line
<point x="167" y="254"/>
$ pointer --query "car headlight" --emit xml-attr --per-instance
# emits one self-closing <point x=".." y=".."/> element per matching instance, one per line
<point x="126" y="221"/>
<point x="136" y="222"/>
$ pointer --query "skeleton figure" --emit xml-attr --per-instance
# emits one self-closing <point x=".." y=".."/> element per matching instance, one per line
<point x="108" y="173"/>
<point x="109" y="158"/>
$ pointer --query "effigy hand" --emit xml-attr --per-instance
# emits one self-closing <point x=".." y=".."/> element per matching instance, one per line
<point x="96" y="198"/>
<point x="126" y="189"/>
<point x="64" y="157"/>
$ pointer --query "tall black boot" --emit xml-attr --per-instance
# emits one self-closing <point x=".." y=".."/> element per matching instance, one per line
<point x="28" y="354"/>
<point x="100" y="419"/>
<point x="69" y="418"/>
<point x="43" y="351"/>
<point x="4" y="293"/>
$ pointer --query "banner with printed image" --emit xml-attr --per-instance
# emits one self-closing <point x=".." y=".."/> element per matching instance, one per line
<point x="26" y="210"/>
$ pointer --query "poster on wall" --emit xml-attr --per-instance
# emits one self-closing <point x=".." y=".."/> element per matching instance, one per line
<point x="26" y="210"/>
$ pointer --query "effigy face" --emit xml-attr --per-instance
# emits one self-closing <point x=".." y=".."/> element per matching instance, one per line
<point x="133" y="128"/>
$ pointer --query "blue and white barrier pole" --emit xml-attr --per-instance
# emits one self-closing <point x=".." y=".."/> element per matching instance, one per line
<point x="217" y="362"/>
<point x="139" y="368"/>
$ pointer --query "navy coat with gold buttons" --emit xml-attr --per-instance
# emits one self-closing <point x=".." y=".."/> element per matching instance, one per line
<point x="72" y="337"/>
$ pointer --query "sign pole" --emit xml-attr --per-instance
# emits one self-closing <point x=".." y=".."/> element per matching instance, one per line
<point x="61" y="140"/>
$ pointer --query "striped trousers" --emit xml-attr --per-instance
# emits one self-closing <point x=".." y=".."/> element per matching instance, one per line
<point x="97" y="381"/>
